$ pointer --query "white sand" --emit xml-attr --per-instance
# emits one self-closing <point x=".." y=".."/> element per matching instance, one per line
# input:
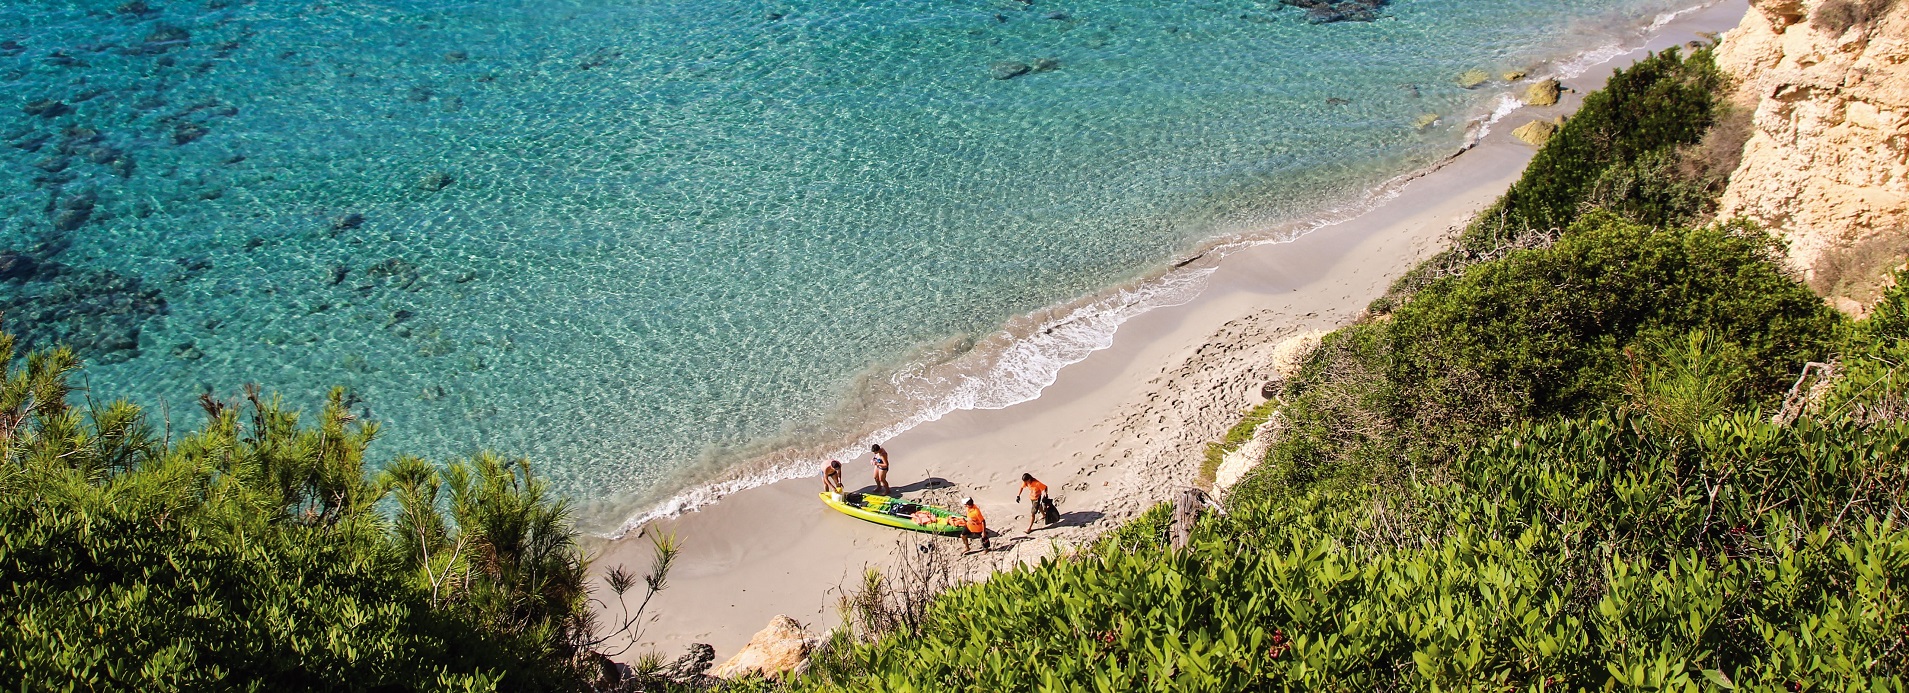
<point x="1114" y="434"/>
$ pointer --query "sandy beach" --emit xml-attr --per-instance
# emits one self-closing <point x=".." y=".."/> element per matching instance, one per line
<point x="1116" y="433"/>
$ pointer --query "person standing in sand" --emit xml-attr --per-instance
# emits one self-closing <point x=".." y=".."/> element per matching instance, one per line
<point x="881" y="470"/>
<point x="832" y="477"/>
<point x="977" y="527"/>
<point x="1038" y="493"/>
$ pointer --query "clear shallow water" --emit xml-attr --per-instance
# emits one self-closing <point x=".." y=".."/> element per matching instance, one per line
<point x="639" y="241"/>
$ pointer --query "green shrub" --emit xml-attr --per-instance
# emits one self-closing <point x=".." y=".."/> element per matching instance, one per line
<point x="249" y="555"/>
<point x="1641" y="115"/>
<point x="1654" y="146"/>
<point x="1578" y="554"/>
<point x="1540" y="332"/>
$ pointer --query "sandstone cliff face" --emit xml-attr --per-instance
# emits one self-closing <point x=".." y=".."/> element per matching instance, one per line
<point x="1827" y="161"/>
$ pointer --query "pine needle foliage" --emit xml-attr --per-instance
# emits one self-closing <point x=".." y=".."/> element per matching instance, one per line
<point x="249" y="554"/>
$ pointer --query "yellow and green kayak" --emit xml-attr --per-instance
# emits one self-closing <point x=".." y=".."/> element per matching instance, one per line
<point x="897" y="512"/>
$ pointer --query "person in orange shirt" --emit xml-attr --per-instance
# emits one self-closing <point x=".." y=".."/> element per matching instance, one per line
<point x="977" y="527"/>
<point x="1037" y="492"/>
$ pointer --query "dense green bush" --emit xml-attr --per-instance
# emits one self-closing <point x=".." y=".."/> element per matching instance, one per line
<point x="1627" y="130"/>
<point x="1539" y="332"/>
<point x="249" y="555"/>
<point x="1643" y="148"/>
<point x="1578" y="554"/>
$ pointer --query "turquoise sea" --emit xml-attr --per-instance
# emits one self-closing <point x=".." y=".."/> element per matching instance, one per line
<point x="647" y="243"/>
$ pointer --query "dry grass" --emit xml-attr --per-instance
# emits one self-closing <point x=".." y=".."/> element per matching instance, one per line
<point x="1861" y="271"/>
<point x="897" y="601"/>
<point x="1837" y="16"/>
<point x="1720" y="151"/>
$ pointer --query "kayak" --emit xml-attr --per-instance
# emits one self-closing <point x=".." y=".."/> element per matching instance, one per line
<point x="897" y="512"/>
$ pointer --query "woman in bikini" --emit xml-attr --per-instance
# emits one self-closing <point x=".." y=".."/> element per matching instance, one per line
<point x="881" y="470"/>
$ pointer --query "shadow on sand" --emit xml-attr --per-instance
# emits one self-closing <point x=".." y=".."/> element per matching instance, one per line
<point x="1077" y="518"/>
<point x="923" y="485"/>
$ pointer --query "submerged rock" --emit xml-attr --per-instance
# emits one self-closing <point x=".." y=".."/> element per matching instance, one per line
<point x="47" y="108"/>
<point x="782" y="647"/>
<point x="347" y="221"/>
<point x="98" y="313"/>
<point x="599" y="58"/>
<point x="1535" y="133"/>
<point x="73" y="212"/>
<point x="17" y="266"/>
<point x="1471" y="79"/>
<point x="1008" y="69"/>
<point x="1424" y="121"/>
<point x="1047" y="65"/>
<point x="186" y="133"/>
<point x="1328" y="11"/>
<point x="1544" y="93"/>
<point x="435" y="181"/>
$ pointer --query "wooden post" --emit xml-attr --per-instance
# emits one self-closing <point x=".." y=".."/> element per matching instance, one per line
<point x="1186" y="510"/>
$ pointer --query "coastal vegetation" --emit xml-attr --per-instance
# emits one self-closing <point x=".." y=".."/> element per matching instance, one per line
<point x="257" y="552"/>
<point x="1571" y="453"/>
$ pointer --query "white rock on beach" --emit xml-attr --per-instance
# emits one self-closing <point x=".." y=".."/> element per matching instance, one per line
<point x="1291" y="353"/>
<point x="1287" y="358"/>
<point x="780" y="648"/>
<point x="1237" y="463"/>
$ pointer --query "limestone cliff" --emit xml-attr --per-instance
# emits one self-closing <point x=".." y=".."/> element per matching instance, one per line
<point x="1827" y="161"/>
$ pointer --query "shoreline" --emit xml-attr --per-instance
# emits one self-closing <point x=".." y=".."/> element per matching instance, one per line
<point x="1113" y="432"/>
<point x="1014" y="363"/>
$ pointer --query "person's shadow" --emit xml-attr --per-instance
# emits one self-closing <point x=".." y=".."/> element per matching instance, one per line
<point x="922" y="485"/>
<point x="1077" y="518"/>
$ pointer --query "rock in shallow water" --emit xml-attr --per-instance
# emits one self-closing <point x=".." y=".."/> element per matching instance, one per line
<point x="1328" y="11"/>
<point x="1008" y="69"/>
<point x="98" y="313"/>
<point x="1535" y="133"/>
<point x="17" y="266"/>
<point x="1544" y="93"/>
<point x="435" y="181"/>
<point x="186" y="133"/>
<point x="46" y="108"/>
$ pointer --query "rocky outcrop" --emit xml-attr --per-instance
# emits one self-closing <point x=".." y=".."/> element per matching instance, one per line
<point x="1826" y="163"/>
<point x="1543" y="93"/>
<point x="1535" y="133"/>
<point x="780" y="648"/>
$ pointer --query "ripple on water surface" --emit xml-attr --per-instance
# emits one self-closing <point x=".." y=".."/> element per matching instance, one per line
<point x="634" y="240"/>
